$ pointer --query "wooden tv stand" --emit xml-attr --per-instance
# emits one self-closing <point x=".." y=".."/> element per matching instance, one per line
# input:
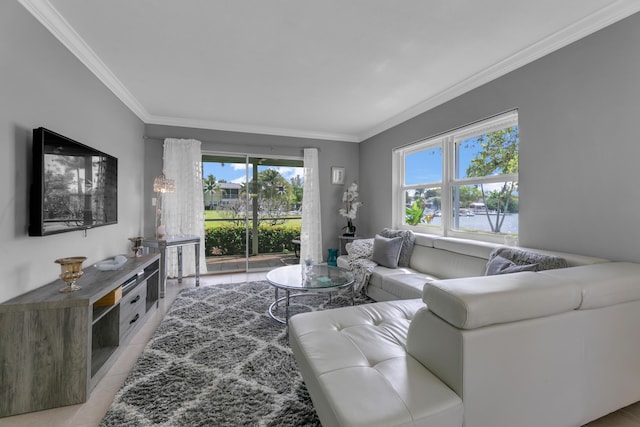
<point x="55" y="347"/>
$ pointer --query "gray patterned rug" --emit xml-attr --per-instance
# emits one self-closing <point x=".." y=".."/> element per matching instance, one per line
<point x="218" y="359"/>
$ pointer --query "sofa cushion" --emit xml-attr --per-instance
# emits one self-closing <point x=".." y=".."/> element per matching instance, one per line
<point x="407" y="285"/>
<point x="374" y="288"/>
<point x="386" y="251"/>
<point x="408" y="241"/>
<point x="446" y="264"/>
<point x="473" y="248"/>
<point x="603" y="284"/>
<point x="358" y="373"/>
<point x="426" y="240"/>
<point x="474" y="302"/>
<point x="500" y="265"/>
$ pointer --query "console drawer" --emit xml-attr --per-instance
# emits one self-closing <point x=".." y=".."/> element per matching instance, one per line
<point x="133" y="307"/>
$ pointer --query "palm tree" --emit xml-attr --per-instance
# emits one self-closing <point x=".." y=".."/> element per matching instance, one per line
<point x="210" y="186"/>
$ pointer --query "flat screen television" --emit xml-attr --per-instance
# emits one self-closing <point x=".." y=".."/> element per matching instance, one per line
<point x="74" y="187"/>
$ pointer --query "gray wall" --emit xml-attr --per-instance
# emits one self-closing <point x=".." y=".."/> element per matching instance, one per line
<point x="579" y="110"/>
<point x="331" y="154"/>
<point x="43" y="84"/>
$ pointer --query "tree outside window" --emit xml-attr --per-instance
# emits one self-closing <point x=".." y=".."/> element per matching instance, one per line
<point x="479" y="177"/>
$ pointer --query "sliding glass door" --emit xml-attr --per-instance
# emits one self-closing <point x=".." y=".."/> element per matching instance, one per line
<point x="252" y="212"/>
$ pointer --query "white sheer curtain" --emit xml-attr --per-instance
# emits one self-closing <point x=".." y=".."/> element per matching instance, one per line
<point x="183" y="210"/>
<point x="311" y="229"/>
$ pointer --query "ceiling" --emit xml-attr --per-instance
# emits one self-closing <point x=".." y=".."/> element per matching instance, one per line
<point x="332" y="69"/>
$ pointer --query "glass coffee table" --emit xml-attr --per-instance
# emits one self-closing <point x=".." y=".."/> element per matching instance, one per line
<point x="324" y="278"/>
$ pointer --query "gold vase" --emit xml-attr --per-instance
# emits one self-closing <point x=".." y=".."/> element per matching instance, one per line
<point x="71" y="271"/>
<point x="136" y="248"/>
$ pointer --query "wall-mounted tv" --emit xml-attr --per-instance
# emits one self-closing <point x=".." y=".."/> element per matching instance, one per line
<point x="74" y="187"/>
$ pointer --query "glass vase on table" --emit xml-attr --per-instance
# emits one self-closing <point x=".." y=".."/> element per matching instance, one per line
<point x="307" y="270"/>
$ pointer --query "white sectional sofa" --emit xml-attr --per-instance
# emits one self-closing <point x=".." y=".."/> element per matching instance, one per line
<point x="434" y="257"/>
<point x="546" y="348"/>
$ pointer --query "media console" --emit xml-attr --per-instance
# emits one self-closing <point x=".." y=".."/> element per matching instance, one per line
<point x="55" y="347"/>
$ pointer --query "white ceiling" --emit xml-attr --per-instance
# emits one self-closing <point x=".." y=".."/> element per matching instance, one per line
<point x="333" y="69"/>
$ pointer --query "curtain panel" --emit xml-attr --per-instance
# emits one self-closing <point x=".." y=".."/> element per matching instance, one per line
<point x="183" y="210"/>
<point x="311" y="229"/>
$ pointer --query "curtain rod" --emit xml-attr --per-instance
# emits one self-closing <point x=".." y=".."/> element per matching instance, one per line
<point x="270" y="146"/>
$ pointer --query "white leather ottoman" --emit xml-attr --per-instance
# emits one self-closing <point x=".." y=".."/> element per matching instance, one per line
<point x="358" y="373"/>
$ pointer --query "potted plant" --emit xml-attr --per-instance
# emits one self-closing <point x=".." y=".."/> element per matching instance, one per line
<point x="350" y="210"/>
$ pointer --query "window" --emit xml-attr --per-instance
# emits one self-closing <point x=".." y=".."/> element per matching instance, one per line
<point x="464" y="182"/>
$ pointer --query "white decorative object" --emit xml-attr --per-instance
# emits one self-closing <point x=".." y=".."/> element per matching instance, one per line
<point x="112" y="263"/>
<point x="350" y="210"/>
<point x="307" y="270"/>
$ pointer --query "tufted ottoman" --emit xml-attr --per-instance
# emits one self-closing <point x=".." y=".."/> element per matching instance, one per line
<point x="357" y="370"/>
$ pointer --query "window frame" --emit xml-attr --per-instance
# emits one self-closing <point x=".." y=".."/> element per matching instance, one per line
<point x="448" y="142"/>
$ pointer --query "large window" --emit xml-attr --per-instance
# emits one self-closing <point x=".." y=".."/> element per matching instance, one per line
<point x="464" y="182"/>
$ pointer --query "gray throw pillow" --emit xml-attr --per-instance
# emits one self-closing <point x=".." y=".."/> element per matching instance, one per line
<point x="408" y="241"/>
<point x="386" y="251"/>
<point x="522" y="257"/>
<point x="500" y="265"/>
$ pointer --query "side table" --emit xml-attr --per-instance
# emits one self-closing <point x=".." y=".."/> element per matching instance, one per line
<point x="161" y="245"/>
<point x="343" y="242"/>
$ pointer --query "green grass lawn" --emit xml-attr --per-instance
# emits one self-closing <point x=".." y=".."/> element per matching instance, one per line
<point x="219" y="218"/>
<point x="214" y="215"/>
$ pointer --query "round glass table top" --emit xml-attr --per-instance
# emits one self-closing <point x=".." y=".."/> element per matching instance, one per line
<point x="323" y="277"/>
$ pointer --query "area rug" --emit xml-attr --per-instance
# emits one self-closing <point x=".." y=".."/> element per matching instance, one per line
<point x="218" y="359"/>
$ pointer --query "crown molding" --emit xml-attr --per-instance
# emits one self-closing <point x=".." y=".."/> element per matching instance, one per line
<point x="48" y="16"/>
<point x="604" y="17"/>
<point x="235" y="127"/>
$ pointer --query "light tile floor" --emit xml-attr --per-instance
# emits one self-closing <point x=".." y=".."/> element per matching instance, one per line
<point x="91" y="412"/>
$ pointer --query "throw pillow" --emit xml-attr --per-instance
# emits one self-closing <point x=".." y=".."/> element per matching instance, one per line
<point x="361" y="248"/>
<point x="408" y="241"/>
<point x="500" y="265"/>
<point x="522" y="257"/>
<point x="386" y="251"/>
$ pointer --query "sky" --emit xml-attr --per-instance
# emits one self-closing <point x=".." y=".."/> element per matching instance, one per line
<point x="235" y="172"/>
<point x="425" y="166"/>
